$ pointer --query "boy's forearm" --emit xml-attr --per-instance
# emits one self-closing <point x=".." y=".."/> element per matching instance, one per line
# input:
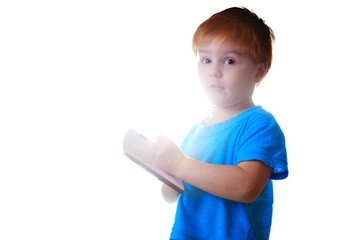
<point x="231" y="182"/>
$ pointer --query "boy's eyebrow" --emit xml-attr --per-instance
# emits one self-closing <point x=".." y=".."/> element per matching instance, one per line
<point x="203" y="51"/>
<point x="241" y="54"/>
<point x="236" y="52"/>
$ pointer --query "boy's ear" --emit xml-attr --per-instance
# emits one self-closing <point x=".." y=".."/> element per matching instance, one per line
<point x="261" y="72"/>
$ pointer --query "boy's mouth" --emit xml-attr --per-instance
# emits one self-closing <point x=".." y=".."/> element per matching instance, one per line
<point x="216" y="87"/>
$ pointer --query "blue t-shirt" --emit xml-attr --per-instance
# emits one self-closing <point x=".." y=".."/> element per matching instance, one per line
<point x="252" y="135"/>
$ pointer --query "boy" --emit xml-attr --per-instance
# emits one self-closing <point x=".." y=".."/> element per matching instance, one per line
<point x="228" y="160"/>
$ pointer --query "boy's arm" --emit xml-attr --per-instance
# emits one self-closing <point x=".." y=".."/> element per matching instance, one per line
<point x="243" y="183"/>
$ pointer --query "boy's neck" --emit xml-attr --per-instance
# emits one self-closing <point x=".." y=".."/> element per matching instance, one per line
<point x="221" y="114"/>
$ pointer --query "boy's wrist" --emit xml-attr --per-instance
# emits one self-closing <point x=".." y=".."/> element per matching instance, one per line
<point x="181" y="167"/>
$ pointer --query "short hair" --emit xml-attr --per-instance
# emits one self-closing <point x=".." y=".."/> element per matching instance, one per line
<point x="240" y="28"/>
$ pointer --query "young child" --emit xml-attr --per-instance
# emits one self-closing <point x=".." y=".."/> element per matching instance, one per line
<point x="228" y="160"/>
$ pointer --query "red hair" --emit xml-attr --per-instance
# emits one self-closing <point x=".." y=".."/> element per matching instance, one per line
<point x="237" y="28"/>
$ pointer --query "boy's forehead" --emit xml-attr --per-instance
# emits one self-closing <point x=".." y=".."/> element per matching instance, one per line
<point x="220" y="47"/>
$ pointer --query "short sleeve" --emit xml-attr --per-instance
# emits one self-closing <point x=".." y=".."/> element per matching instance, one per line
<point x="263" y="140"/>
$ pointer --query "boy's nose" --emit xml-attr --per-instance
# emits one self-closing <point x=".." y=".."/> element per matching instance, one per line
<point x="215" y="72"/>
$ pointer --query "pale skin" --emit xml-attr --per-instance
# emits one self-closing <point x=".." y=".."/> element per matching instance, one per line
<point x="228" y="78"/>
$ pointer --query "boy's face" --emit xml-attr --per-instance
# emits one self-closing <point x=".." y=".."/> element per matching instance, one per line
<point x="227" y="76"/>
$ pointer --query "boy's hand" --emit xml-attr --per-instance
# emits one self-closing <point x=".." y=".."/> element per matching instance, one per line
<point x="169" y="194"/>
<point x="167" y="155"/>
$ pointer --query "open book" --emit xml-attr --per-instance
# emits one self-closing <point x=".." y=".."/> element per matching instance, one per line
<point x="138" y="148"/>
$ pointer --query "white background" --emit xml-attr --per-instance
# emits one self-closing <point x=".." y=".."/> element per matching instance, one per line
<point x="74" y="75"/>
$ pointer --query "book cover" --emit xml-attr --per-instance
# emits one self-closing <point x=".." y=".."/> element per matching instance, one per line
<point x="138" y="149"/>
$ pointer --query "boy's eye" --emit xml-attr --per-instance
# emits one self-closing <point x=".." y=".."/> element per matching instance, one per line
<point x="229" y="61"/>
<point x="205" y="60"/>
